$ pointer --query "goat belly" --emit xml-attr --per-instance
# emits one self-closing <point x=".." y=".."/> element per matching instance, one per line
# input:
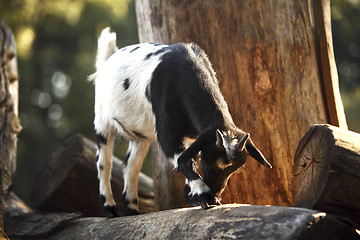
<point x="123" y="94"/>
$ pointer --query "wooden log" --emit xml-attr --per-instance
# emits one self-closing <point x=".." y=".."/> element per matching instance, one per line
<point x="223" y="222"/>
<point x="15" y="206"/>
<point x="326" y="172"/>
<point x="9" y="122"/>
<point x="38" y="225"/>
<point x="267" y="62"/>
<point x="68" y="181"/>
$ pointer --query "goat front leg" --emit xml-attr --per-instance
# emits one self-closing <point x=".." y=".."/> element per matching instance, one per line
<point x="196" y="191"/>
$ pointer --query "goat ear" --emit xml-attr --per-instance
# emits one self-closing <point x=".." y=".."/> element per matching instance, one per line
<point x="241" y="144"/>
<point x="256" y="154"/>
<point x="219" y="140"/>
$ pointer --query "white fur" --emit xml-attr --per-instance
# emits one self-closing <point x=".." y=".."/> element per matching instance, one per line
<point x="174" y="160"/>
<point x="130" y="107"/>
<point x="186" y="143"/>
<point x="197" y="187"/>
<point x="106" y="46"/>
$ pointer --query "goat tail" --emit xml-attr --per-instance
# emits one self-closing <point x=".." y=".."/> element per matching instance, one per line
<point x="106" y="48"/>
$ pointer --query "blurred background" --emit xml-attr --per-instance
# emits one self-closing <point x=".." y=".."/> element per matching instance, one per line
<point x="56" y="46"/>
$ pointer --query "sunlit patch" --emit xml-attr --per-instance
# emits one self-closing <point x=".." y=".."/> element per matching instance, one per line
<point x="24" y="40"/>
<point x="40" y="98"/>
<point x="55" y="112"/>
<point x="70" y="10"/>
<point x="61" y="84"/>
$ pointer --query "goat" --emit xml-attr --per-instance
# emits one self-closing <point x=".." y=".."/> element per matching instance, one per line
<point x="170" y="94"/>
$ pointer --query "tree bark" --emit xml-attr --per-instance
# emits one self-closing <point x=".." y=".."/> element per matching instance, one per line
<point x="68" y="181"/>
<point x="326" y="171"/>
<point x="266" y="57"/>
<point x="9" y="121"/>
<point x="223" y="222"/>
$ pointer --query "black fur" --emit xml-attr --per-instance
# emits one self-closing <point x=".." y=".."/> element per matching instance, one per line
<point x="100" y="139"/>
<point x="123" y="127"/>
<point x="155" y="53"/>
<point x="148" y="56"/>
<point x="178" y="82"/>
<point x="134" y="49"/>
<point x="203" y="199"/>
<point x="108" y="211"/>
<point x="128" y="211"/>
<point x="126" y="84"/>
<point x="127" y="158"/>
<point x="175" y="83"/>
<point x="139" y="135"/>
<point x="147" y="93"/>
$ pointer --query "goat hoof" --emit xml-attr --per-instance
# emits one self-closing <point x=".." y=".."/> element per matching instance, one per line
<point x="210" y="203"/>
<point x="110" y="211"/>
<point x="130" y="211"/>
<point x="205" y="199"/>
<point x="205" y="205"/>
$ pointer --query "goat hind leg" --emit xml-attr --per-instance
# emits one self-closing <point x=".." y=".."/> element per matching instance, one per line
<point x="104" y="166"/>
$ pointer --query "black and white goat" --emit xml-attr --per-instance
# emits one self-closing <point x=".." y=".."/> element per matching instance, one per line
<point x="170" y="94"/>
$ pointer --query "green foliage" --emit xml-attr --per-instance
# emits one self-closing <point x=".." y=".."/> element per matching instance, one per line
<point x="346" y="34"/>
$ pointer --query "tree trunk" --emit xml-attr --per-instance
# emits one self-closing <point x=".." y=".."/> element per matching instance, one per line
<point x="9" y="121"/>
<point x="326" y="171"/>
<point x="68" y="181"/>
<point x="266" y="57"/>
<point x="223" y="222"/>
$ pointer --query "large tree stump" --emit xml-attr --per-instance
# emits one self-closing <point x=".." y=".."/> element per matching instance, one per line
<point x="326" y="172"/>
<point x="9" y="121"/>
<point x="267" y="61"/>
<point x="68" y="181"/>
<point x="223" y="222"/>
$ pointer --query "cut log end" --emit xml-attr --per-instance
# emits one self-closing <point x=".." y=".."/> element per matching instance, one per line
<point x="326" y="172"/>
<point x="311" y="169"/>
